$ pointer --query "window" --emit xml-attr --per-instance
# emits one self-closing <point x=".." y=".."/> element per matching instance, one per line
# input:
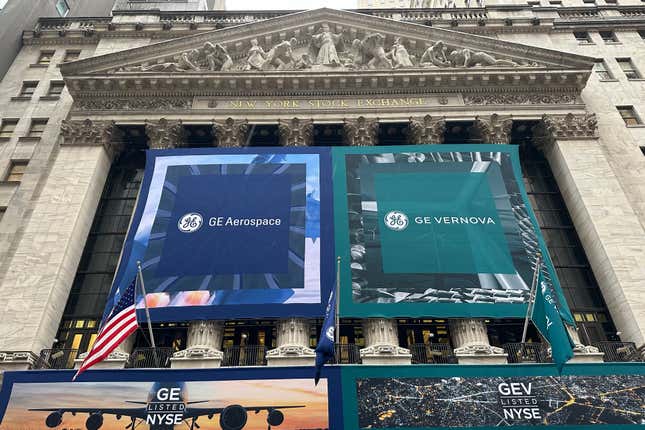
<point x="28" y="88"/>
<point x="71" y="56"/>
<point x="629" y="115"/>
<point x="555" y="2"/>
<point x="582" y="37"/>
<point x="628" y="68"/>
<point x="641" y="33"/>
<point x="533" y="3"/>
<point x="608" y="36"/>
<point x="602" y="71"/>
<point x="7" y="128"/>
<point x="589" y="1"/>
<point x="37" y="128"/>
<point x="55" y="88"/>
<point x="45" y="57"/>
<point x="2" y="212"/>
<point x="16" y="170"/>
<point x="62" y="7"/>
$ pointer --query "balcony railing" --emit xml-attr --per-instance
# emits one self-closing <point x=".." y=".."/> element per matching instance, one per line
<point x="432" y="353"/>
<point x="527" y="352"/>
<point x="251" y="355"/>
<point x="149" y="358"/>
<point x="56" y="359"/>
<point x="346" y="353"/>
<point x="619" y="351"/>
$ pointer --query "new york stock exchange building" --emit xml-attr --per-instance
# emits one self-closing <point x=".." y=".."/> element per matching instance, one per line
<point x="407" y="186"/>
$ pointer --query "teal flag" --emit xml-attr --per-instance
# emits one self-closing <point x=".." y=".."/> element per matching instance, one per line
<point x="548" y="320"/>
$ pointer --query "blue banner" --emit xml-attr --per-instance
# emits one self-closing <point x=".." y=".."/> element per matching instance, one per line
<point x="223" y="233"/>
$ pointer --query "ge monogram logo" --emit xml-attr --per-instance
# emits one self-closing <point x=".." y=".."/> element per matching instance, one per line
<point x="190" y="223"/>
<point x="396" y="220"/>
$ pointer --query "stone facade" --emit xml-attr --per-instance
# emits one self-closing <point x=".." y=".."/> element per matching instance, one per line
<point x="534" y="71"/>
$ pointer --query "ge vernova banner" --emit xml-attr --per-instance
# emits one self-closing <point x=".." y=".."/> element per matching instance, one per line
<point x="435" y="230"/>
<point x="424" y="230"/>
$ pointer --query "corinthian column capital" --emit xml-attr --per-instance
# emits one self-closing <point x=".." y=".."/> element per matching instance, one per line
<point x="92" y="133"/>
<point x="296" y="132"/>
<point x="494" y="129"/>
<point x="361" y="131"/>
<point x="565" y="127"/>
<point x="231" y="133"/>
<point x="427" y="130"/>
<point x="164" y="134"/>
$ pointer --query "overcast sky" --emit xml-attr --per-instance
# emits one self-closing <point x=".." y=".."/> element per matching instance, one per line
<point x="288" y="4"/>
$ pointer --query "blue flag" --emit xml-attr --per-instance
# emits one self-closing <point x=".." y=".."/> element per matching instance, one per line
<point x="548" y="320"/>
<point x="326" y="344"/>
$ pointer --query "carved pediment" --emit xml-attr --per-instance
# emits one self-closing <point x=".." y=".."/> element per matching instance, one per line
<point x="325" y="40"/>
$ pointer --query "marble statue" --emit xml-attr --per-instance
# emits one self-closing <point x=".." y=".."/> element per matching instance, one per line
<point x="399" y="55"/>
<point x="256" y="57"/>
<point x="324" y="45"/>
<point x="210" y="57"/>
<point x="468" y="58"/>
<point x="435" y="55"/>
<point x="372" y="54"/>
<point x="280" y="57"/>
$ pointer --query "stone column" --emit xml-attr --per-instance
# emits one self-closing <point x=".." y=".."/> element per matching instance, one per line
<point x="360" y="131"/>
<point x="382" y="343"/>
<point x="583" y="353"/>
<point x="471" y="345"/>
<point x="231" y="133"/>
<point x="202" y="347"/>
<point x="494" y="129"/>
<point x="43" y="267"/>
<point x="296" y="132"/>
<point x="608" y="226"/>
<point x="293" y="344"/>
<point x="164" y="134"/>
<point x="427" y="130"/>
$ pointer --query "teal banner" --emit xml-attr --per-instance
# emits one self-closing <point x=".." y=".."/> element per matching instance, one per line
<point x="441" y="230"/>
<point x="518" y="396"/>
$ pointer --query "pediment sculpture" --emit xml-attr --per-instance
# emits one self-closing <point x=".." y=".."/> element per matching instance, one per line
<point x="325" y="50"/>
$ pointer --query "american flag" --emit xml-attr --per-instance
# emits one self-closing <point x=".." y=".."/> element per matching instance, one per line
<point x="120" y="323"/>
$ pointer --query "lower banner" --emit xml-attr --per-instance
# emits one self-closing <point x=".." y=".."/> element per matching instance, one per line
<point x="416" y="397"/>
<point x="227" y="399"/>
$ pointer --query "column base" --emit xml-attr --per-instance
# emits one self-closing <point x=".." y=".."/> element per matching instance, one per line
<point x="480" y="354"/>
<point x="17" y="361"/>
<point x="116" y="360"/>
<point x="385" y="354"/>
<point x="197" y="358"/>
<point x="291" y="355"/>
<point x="586" y="354"/>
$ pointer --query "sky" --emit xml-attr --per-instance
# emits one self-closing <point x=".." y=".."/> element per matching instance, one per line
<point x="288" y="4"/>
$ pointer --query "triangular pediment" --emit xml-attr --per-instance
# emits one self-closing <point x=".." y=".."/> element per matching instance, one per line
<point x="326" y="40"/>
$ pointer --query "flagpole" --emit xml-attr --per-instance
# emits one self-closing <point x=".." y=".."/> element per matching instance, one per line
<point x="529" y="310"/>
<point x="145" y="302"/>
<point x="336" y="297"/>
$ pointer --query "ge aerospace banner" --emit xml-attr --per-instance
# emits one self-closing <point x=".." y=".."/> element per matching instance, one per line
<point x="226" y="399"/>
<point x="432" y="397"/>
<point x="441" y="230"/>
<point x="232" y="233"/>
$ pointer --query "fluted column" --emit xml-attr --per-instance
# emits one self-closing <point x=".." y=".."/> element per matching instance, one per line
<point x="164" y="134"/>
<point x="471" y="345"/>
<point x="360" y="131"/>
<point x="202" y="346"/>
<point x="292" y="344"/>
<point x="612" y="238"/>
<point x="382" y="343"/>
<point x="494" y="129"/>
<point x="231" y="133"/>
<point x="296" y="132"/>
<point x="427" y="130"/>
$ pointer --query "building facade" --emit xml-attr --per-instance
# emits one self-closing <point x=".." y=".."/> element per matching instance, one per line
<point x="563" y="82"/>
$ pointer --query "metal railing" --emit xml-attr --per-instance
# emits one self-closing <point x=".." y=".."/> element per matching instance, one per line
<point x="346" y="353"/>
<point x="149" y="358"/>
<point x="250" y="355"/>
<point x="528" y="352"/>
<point x="56" y="359"/>
<point x="619" y="351"/>
<point x="432" y="353"/>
